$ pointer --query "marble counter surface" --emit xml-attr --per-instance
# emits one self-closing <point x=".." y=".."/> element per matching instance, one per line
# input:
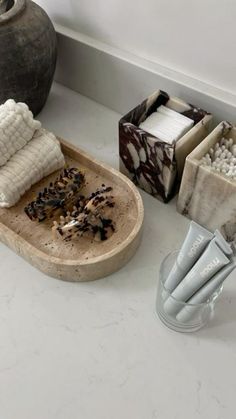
<point x="97" y="350"/>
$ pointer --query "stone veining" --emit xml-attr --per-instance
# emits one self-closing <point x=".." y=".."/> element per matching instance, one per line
<point x="149" y="162"/>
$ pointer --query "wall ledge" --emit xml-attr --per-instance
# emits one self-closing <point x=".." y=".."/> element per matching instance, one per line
<point x="120" y="80"/>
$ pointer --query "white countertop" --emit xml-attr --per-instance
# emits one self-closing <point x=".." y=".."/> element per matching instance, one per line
<point x="97" y="350"/>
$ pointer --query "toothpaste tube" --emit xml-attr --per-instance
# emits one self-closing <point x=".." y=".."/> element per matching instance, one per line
<point x="195" y="242"/>
<point x="222" y="243"/>
<point x="211" y="261"/>
<point x="204" y="293"/>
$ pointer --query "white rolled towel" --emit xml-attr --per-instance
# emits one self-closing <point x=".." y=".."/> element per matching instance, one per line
<point x="17" y="127"/>
<point x="37" y="159"/>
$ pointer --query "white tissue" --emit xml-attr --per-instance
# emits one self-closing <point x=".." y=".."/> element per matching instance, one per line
<point x="167" y="125"/>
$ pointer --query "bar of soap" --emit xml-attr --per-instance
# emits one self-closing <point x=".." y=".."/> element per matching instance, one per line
<point x="167" y="125"/>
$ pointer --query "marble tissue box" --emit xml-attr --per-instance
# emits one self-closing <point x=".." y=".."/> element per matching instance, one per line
<point x="206" y="196"/>
<point x="152" y="164"/>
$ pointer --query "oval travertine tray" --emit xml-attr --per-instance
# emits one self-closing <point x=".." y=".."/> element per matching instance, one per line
<point x="81" y="260"/>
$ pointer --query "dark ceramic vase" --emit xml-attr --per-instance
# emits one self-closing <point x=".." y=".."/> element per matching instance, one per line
<point x="28" y="53"/>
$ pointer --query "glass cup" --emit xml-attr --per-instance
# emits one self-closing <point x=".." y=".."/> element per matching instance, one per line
<point x="184" y="317"/>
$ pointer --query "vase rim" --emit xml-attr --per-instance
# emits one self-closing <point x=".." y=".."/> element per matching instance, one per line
<point x="17" y="7"/>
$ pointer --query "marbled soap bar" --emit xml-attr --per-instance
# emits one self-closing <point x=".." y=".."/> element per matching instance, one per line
<point x="153" y="164"/>
<point x="208" y="196"/>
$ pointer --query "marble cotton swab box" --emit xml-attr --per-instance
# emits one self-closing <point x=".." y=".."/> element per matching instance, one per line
<point x="156" y="164"/>
<point x="208" y="189"/>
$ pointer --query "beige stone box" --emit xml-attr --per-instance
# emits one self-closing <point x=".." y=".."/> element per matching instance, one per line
<point x="206" y="196"/>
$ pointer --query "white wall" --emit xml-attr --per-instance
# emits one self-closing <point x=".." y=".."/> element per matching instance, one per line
<point x="197" y="38"/>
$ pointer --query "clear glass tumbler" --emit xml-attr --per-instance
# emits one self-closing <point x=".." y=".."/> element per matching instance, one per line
<point x="184" y="317"/>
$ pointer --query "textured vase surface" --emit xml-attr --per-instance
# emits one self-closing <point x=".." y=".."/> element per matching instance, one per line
<point x="28" y="50"/>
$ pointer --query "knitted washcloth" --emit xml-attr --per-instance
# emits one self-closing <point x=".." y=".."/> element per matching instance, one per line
<point x="40" y="157"/>
<point x="17" y="127"/>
